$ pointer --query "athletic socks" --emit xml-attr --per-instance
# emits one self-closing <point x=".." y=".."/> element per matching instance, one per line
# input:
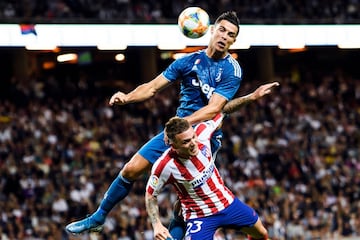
<point x="117" y="191"/>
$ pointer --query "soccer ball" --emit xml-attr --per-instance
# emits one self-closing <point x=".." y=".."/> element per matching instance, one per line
<point x="194" y="22"/>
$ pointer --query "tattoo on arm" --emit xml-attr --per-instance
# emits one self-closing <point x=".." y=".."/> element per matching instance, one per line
<point x="152" y="209"/>
<point x="235" y="104"/>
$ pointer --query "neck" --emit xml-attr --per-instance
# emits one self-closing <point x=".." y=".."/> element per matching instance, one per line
<point x="183" y="156"/>
<point x="180" y="156"/>
<point x="212" y="53"/>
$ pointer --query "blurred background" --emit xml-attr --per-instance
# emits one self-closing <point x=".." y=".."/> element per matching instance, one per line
<point x="293" y="155"/>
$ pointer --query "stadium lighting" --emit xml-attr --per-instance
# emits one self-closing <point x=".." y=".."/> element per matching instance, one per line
<point x="120" y="57"/>
<point x="69" y="57"/>
<point x="240" y="45"/>
<point x="171" y="46"/>
<point x="168" y="36"/>
<point x="112" y="46"/>
<point x="349" y="44"/>
<point x="291" y="45"/>
<point x="45" y="46"/>
<point x="178" y="55"/>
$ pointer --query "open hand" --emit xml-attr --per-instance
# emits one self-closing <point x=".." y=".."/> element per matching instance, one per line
<point x="264" y="89"/>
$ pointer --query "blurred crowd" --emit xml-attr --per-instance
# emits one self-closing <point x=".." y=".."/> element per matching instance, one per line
<point x="164" y="11"/>
<point x="293" y="155"/>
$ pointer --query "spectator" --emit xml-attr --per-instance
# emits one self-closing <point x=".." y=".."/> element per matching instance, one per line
<point x="47" y="144"/>
<point x="150" y="11"/>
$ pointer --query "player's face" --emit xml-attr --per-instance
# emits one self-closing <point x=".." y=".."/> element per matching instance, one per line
<point x="185" y="143"/>
<point x="223" y="36"/>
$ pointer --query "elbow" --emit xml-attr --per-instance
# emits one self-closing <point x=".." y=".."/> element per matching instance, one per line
<point x="149" y="197"/>
<point x="151" y="90"/>
<point x="212" y="112"/>
<point x="217" y="109"/>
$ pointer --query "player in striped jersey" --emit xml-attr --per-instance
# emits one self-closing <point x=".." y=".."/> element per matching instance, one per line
<point x="207" y="204"/>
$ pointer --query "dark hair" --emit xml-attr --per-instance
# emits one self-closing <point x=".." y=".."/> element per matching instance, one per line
<point x="230" y="16"/>
<point x="175" y="126"/>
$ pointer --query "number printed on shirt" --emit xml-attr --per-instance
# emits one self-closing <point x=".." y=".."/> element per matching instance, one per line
<point x="193" y="227"/>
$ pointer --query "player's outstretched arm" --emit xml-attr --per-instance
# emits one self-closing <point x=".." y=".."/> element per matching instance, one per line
<point x="140" y="93"/>
<point x="235" y="104"/>
<point x="152" y="208"/>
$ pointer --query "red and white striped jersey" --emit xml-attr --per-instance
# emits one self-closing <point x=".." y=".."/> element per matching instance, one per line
<point x="197" y="180"/>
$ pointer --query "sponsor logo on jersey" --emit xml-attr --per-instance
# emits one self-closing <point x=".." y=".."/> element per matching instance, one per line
<point x="205" y="88"/>
<point x="203" y="176"/>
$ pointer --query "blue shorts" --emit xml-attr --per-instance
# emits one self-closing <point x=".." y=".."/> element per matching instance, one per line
<point x="237" y="215"/>
<point x="156" y="146"/>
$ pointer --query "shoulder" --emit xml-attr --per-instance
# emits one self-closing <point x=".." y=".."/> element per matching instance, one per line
<point x="232" y="66"/>
<point x="186" y="60"/>
<point x="231" y="61"/>
<point x="191" y="55"/>
<point x="162" y="163"/>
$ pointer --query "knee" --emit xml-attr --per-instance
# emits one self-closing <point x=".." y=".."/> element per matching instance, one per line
<point x="263" y="233"/>
<point x="258" y="232"/>
<point x="130" y="172"/>
<point x="135" y="168"/>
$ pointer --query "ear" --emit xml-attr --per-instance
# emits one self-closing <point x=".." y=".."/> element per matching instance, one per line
<point x="166" y="140"/>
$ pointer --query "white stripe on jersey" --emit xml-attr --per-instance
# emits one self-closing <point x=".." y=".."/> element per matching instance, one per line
<point x="236" y="65"/>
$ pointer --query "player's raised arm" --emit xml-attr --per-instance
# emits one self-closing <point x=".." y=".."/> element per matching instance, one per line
<point x="215" y="105"/>
<point x="140" y="93"/>
<point x="235" y="104"/>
